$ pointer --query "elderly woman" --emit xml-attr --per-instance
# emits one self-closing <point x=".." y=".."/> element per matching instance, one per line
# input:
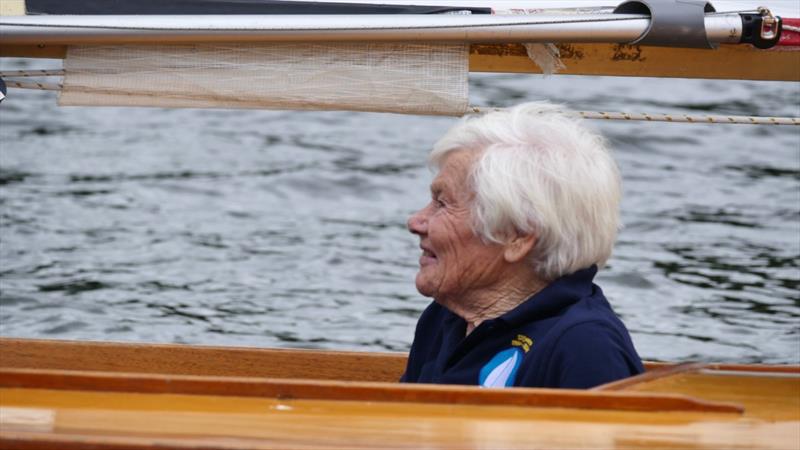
<point x="523" y="211"/>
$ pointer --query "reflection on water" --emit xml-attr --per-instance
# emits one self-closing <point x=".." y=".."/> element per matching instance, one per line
<point x="273" y="228"/>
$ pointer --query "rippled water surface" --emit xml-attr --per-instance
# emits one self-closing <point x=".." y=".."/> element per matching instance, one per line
<point x="287" y="229"/>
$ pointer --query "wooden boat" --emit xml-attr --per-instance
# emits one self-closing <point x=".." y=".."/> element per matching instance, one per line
<point x="75" y="395"/>
<point x="70" y="395"/>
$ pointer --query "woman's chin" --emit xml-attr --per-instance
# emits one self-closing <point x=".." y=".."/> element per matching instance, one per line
<point x="424" y="284"/>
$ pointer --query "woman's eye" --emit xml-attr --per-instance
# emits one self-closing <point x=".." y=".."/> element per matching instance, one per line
<point x="439" y="202"/>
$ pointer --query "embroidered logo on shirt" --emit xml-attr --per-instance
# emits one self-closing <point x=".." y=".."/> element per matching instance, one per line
<point x="522" y="341"/>
<point x="501" y="370"/>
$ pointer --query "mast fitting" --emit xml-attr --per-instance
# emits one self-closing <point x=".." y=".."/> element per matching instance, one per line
<point x="673" y="23"/>
<point x="761" y="29"/>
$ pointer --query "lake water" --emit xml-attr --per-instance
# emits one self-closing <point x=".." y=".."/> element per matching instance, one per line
<point x="287" y="229"/>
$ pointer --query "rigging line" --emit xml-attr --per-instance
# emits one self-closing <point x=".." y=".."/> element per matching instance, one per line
<point x="599" y="115"/>
<point x="739" y="11"/>
<point x="32" y="73"/>
<point x="34" y="85"/>
<point x="677" y="118"/>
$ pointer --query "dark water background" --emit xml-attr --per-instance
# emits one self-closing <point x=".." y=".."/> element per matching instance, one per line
<point x="287" y="229"/>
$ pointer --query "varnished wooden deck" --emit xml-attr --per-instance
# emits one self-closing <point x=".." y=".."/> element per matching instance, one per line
<point x="72" y="419"/>
<point x="58" y="394"/>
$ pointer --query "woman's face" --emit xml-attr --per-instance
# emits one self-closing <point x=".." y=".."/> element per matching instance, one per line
<point x="455" y="263"/>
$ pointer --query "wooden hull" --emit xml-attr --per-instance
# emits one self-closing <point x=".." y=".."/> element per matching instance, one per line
<point x="57" y="394"/>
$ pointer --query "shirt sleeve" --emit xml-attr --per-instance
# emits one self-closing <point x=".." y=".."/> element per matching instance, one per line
<point x="590" y="354"/>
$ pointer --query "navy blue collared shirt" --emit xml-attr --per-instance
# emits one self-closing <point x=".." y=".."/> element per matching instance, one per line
<point x="565" y="336"/>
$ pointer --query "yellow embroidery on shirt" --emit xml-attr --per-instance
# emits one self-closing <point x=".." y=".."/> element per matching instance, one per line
<point x="522" y="341"/>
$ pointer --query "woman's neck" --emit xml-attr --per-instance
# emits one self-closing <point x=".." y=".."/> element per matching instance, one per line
<point x="492" y="303"/>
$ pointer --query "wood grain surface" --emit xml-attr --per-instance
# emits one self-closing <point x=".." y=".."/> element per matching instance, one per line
<point x="735" y="62"/>
<point x="76" y="395"/>
<point x="201" y="360"/>
<point x="355" y="391"/>
<point x="113" y="420"/>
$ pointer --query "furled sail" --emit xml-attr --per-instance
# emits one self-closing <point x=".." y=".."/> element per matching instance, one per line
<point x="391" y="77"/>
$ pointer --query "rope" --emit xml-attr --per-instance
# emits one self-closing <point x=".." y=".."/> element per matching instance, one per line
<point x="600" y="115"/>
<point x="685" y="118"/>
<point x="34" y="85"/>
<point x="678" y="118"/>
<point x="32" y="73"/>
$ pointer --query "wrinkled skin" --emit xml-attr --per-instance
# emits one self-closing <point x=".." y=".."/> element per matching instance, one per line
<point x="473" y="279"/>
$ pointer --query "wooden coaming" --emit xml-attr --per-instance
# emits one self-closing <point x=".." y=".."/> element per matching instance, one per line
<point x="773" y="396"/>
<point x="69" y="395"/>
<point x="354" y="391"/>
<point x="113" y="420"/>
<point x="304" y="374"/>
<point x="232" y="361"/>
<point x="200" y="360"/>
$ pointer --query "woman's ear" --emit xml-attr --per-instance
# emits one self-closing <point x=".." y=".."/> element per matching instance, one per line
<point x="519" y="247"/>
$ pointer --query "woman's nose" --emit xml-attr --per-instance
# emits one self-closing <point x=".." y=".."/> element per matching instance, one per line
<point x="418" y="222"/>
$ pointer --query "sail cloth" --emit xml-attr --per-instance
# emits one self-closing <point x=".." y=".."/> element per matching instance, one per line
<point x="386" y="77"/>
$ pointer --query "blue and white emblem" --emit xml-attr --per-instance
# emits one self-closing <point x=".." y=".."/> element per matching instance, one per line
<point x="501" y="371"/>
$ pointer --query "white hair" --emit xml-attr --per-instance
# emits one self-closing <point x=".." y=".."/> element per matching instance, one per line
<point x="540" y="171"/>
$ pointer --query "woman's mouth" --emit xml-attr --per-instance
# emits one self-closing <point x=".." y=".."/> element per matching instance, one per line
<point x="427" y="257"/>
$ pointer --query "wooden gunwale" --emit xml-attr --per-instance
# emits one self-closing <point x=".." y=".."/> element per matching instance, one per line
<point x="312" y="374"/>
<point x="91" y="409"/>
<point x="200" y="360"/>
<point x="650" y="375"/>
<point x="177" y="359"/>
<point x="20" y="440"/>
<point x="353" y="391"/>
